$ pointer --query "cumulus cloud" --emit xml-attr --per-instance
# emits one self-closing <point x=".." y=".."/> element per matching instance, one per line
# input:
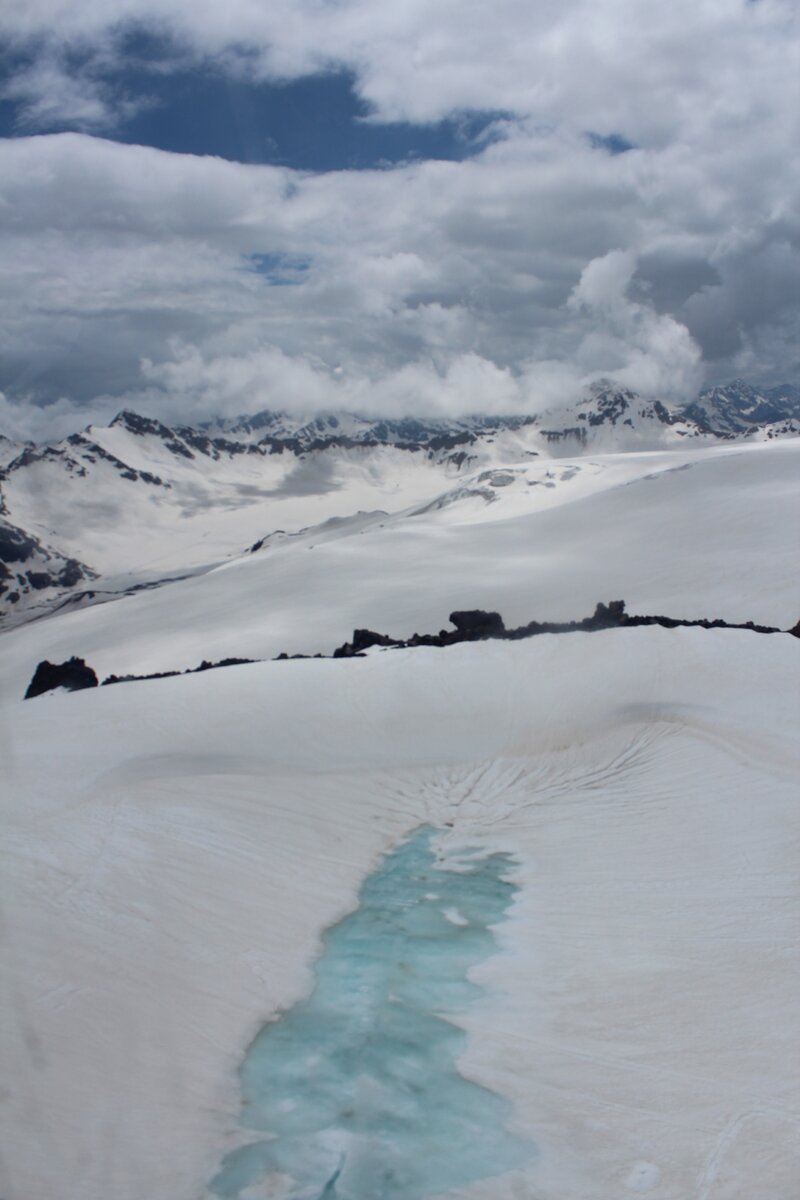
<point x="22" y="420"/>
<point x="416" y="61"/>
<point x="228" y="385"/>
<point x="509" y="279"/>
<point x="629" y="342"/>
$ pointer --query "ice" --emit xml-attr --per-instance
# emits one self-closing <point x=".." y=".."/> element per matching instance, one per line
<point x="358" y="1086"/>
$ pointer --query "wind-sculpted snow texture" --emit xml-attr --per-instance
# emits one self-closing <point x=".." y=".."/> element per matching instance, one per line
<point x="174" y="852"/>
<point x="357" y="1087"/>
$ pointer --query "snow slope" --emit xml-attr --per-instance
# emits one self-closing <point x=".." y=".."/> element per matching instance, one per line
<point x="192" y="512"/>
<point x="690" y="534"/>
<point x="139" y="501"/>
<point x="175" y="848"/>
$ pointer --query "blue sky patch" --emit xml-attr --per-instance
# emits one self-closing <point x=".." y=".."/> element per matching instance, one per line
<point x="159" y="98"/>
<point x="612" y="143"/>
<point x="279" y="269"/>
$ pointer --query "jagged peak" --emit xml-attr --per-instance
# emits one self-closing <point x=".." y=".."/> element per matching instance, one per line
<point x="136" y="423"/>
<point x="265" y="419"/>
<point x="724" y="409"/>
<point x="734" y="389"/>
<point x="603" y="387"/>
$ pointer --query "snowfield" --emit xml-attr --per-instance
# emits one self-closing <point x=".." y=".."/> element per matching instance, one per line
<point x="137" y="503"/>
<point x="687" y="533"/>
<point x="175" y="850"/>
<point x="176" y="847"/>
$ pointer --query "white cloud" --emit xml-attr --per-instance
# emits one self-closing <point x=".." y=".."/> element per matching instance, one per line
<point x="232" y="384"/>
<point x="629" y="342"/>
<point x="603" y="285"/>
<point x="639" y="71"/>
<point x="497" y="281"/>
<point x="22" y="420"/>
<point x="49" y="95"/>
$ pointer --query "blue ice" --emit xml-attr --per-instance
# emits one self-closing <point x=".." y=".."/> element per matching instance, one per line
<point x="356" y="1088"/>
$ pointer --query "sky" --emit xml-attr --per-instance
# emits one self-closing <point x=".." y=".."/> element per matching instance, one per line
<point x="444" y="207"/>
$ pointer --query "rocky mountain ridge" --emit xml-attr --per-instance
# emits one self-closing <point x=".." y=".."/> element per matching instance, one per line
<point x="721" y="412"/>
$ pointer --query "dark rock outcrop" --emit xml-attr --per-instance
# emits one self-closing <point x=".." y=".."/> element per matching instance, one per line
<point x="470" y="625"/>
<point x="72" y="675"/>
<point x="475" y="623"/>
<point x="363" y="639"/>
<point x="205" y="665"/>
<point x="134" y="678"/>
<point x="607" y="616"/>
<point x="28" y="566"/>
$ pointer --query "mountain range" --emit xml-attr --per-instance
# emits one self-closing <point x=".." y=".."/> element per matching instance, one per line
<point x="119" y="507"/>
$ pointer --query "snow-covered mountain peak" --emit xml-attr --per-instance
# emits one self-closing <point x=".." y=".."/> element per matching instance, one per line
<point x="9" y="450"/>
<point x="613" y="418"/>
<point x="737" y="407"/>
<point x="136" y="424"/>
<point x="608" y="404"/>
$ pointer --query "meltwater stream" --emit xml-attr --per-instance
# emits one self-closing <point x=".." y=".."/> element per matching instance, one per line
<point x="356" y="1088"/>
